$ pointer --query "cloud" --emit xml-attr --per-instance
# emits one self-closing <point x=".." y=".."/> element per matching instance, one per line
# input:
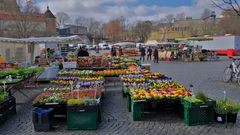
<point x="104" y="10"/>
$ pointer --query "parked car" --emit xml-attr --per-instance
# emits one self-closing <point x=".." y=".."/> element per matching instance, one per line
<point x="104" y="46"/>
<point x="82" y="45"/>
<point x="90" y="47"/>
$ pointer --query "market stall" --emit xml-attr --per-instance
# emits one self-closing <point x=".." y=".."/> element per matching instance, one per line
<point x="11" y="81"/>
<point x="29" y="51"/>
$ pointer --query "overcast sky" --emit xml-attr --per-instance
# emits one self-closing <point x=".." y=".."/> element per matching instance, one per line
<point x="104" y="10"/>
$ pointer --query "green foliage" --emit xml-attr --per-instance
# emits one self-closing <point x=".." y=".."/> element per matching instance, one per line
<point x="75" y="102"/>
<point x="21" y="71"/>
<point x="235" y="107"/>
<point x="223" y="106"/>
<point x="193" y="99"/>
<point x="3" y="96"/>
<point x="201" y="96"/>
<point x="53" y="98"/>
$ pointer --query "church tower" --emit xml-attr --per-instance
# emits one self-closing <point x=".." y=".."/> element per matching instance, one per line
<point x="9" y="6"/>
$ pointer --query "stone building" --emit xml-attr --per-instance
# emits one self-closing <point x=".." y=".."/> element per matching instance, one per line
<point x="14" y="23"/>
<point x="9" y="6"/>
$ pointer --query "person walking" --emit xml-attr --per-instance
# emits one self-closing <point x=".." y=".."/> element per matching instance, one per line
<point x="143" y="53"/>
<point x="155" y="55"/>
<point x="120" y="51"/>
<point x="149" y="54"/>
<point x="113" y="51"/>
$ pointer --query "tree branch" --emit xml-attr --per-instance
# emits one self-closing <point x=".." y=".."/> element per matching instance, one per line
<point x="231" y="4"/>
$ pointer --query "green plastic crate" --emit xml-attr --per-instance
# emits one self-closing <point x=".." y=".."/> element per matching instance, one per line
<point x="198" y="115"/>
<point x="82" y="118"/>
<point x="210" y="103"/>
<point x="137" y="110"/>
<point x="123" y="90"/>
<point x="129" y="102"/>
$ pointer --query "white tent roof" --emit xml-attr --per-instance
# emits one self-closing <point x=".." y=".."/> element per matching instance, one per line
<point x="152" y="42"/>
<point x="41" y="39"/>
<point x="125" y="43"/>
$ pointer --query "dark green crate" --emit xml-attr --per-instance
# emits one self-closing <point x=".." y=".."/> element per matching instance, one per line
<point x="137" y="110"/>
<point x="11" y="111"/>
<point x="129" y="103"/>
<point x="7" y="109"/>
<point x="83" y="118"/>
<point x="124" y="94"/>
<point x="99" y="115"/>
<point x="210" y="103"/>
<point x="198" y="115"/>
<point x="3" y="117"/>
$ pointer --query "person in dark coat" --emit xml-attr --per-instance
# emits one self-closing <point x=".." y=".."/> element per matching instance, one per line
<point x="143" y="53"/>
<point x="120" y="51"/>
<point x="83" y="52"/>
<point x="149" y="54"/>
<point x="155" y="55"/>
<point x="113" y="51"/>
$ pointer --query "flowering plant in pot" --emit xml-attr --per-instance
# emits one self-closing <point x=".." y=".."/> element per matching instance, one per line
<point x="222" y="108"/>
<point x="232" y="114"/>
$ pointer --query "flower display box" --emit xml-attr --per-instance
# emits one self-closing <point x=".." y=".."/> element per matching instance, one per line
<point x="198" y="114"/>
<point x="7" y="109"/>
<point x="59" y="110"/>
<point x="123" y="90"/>
<point x="82" y="117"/>
<point x="137" y="109"/>
<point x="129" y="102"/>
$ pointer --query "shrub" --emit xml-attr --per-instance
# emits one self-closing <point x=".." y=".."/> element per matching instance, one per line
<point x="223" y="106"/>
<point x="201" y="96"/>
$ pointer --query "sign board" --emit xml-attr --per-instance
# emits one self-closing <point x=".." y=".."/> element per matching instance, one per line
<point x="69" y="65"/>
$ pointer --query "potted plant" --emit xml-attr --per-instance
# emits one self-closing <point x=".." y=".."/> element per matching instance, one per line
<point x="232" y="114"/>
<point x="221" y="109"/>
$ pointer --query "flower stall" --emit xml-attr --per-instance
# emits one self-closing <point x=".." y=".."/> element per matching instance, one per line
<point x="103" y="62"/>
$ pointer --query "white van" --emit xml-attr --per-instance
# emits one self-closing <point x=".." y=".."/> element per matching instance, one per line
<point x="104" y="46"/>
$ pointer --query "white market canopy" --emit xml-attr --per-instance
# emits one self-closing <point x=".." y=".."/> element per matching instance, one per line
<point x="152" y="42"/>
<point x="40" y="40"/>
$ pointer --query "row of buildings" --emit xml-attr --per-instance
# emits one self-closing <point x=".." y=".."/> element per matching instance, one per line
<point x="185" y="28"/>
<point x="14" y="23"/>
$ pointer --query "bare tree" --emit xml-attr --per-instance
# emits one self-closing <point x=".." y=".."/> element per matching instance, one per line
<point x="169" y="19"/>
<point x="230" y="23"/>
<point x="206" y="13"/>
<point x="114" y="30"/>
<point x="23" y="23"/>
<point x="143" y="29"/>
<point x="28" y="7"/>
<point x="227" y="5"/>
<point x="82" y="21"/>
<point x="62" y="18"/>
<point x="180" y="16"/>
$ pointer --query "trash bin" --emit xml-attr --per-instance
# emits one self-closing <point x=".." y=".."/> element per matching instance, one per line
<point x="42" y="119"/>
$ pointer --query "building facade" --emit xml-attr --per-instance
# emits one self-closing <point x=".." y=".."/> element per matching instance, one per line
<point x="14" y="23"/>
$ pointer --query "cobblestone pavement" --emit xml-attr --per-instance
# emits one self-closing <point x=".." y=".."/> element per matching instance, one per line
<point x="116" y="119"/>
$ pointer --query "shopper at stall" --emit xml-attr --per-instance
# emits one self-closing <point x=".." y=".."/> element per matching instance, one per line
<point x="85" y="52"/>
<point x="149" y="54"/>
<point x="155" y="55"/>
<point x="113" y="51"/>
<point x="120" y="51"/>
<point x="143" y="53"/>
<point x="82" y="52"/>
